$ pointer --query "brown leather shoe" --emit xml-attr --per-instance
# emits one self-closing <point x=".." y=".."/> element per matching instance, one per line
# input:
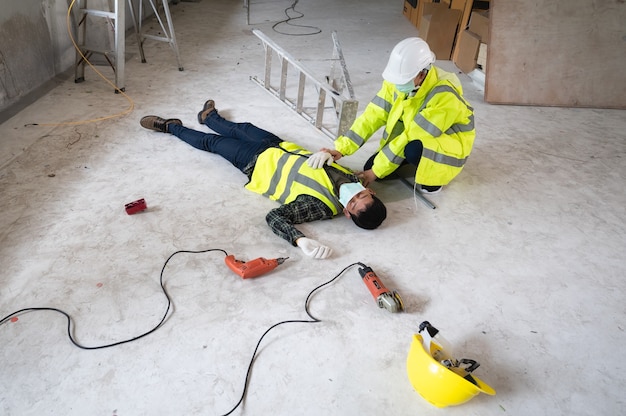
<point x="208" y="108"/>
<point x="157" y="123"/>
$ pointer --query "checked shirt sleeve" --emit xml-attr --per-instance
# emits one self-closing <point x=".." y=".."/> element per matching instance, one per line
<point x="304" y="208"/>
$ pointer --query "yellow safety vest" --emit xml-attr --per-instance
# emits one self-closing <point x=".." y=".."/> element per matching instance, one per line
<point x="437" y="115"/>
<point x="281" y="174"/>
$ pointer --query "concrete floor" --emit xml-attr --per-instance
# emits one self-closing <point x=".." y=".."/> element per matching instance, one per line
<point x="521" y="266"/>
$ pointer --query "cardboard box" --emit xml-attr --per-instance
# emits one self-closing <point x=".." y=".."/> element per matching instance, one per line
<point x="467" y="44"/>
<point x="410" y="9"/>
<point x="479" y="24"/>
<point x="438" y="28"/>
<point x="458" y="4"/>
<point x="481" y="59"/>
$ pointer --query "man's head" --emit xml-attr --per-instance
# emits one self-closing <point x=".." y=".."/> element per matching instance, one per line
<point x="408" y="59"/>
<point x="366" y="210"/>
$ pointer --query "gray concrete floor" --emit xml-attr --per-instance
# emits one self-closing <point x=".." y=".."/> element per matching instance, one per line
<point x="521" y="265"/>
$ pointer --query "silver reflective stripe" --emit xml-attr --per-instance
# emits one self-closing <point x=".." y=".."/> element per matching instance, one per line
<point x="427" y="125"/>
<point x="462" y="128"/>
<point x="434" y="130"/>
<point x="295" y="176"/>
<point x="443" y="159"/>
<point x="291" y="177"/>
<point x="437" y="90"/>
<point x="393" y="158"/>
<point x="355" y="138"/>
<point x="384" y="104"/>
<point x="277" y="174"/>
<point x="316" y="186"/>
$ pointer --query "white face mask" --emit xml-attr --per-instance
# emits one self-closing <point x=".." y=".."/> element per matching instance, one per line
<point x="406" y="88"/>
<point x="348" y="190"/>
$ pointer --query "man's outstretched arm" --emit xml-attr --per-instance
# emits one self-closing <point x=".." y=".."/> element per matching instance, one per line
<point x="304" y="208"/>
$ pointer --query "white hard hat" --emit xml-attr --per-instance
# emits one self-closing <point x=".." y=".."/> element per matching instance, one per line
<point x="408" y="58"/>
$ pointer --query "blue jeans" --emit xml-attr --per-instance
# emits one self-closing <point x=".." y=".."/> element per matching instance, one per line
<point x="239" y="143"/>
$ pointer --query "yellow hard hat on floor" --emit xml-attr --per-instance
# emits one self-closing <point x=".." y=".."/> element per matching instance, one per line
<point x="435" y="382"/>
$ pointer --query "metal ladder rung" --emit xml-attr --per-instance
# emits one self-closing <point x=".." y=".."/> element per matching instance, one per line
<point x="100" y="13"/>
<point x="344" y="108"/>
<point x="116" y="19"/>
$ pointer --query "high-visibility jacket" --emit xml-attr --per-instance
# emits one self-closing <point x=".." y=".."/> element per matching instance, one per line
<point x="281" y="174"/>
<point x="437" y="115"/>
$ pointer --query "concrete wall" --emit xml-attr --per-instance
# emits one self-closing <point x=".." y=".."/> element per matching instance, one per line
<point x="35" y="45"/>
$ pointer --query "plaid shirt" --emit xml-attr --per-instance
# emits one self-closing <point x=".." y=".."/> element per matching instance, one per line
<point x="304" y="208"/>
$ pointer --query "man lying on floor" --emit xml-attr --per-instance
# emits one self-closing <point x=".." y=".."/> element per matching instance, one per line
<point x="279" y="170"/>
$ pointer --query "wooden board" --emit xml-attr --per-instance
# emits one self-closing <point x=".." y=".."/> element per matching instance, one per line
<point x="569" y="53"/>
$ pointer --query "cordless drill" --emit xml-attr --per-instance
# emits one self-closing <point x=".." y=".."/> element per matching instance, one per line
<point x="383" y="296"/>
<point x="252" y="268"/>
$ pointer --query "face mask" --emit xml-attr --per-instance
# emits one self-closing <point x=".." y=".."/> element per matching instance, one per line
<point x="348" y="190"/>
<point x="406" y="88"/>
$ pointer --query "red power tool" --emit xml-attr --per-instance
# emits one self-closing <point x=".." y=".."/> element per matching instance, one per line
<point x="252" y="268"/>
<point x="383" y="296"/>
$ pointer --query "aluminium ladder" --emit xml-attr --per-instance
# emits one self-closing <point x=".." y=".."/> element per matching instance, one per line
<point x="115" y="18"/>
<point x="115" y="57"/>
<point x="345" y="108"/>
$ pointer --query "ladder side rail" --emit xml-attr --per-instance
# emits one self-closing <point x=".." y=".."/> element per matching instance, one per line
<point x="137" y="26"/>
<point x="347" y="115"/>
<point x="172" y="35"/>
<point x="120" y="44"/>
<point x="345" y="76"/>
<point x="321" y="101"/>
<point x="347" y="107"/>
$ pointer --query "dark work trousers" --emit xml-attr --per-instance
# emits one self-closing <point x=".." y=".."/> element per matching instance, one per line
<point x="412" y="154"/>
<point x="239" y="143"/>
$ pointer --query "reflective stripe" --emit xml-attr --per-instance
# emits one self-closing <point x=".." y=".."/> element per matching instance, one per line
<point x="455" y="128"/>
<point x="382" y="103"/>
<point x="427" y="126"/>
<point x="277" y="174"/>
<point x="443" y="159"/>
<point x="317" y="187"/>
<point x="393" y="158"/>
<point x="462" y="128"/>
<point x="358" y="140"/>
<point x="295" y="176"/>
<point x="437" y="90"/>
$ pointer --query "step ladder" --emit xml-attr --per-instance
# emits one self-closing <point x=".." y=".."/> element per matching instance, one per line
<point x="87" y="47"/>
<point x="114" y="18"/>
<point x="168" y="34"/>
<point x="291" y="88"/>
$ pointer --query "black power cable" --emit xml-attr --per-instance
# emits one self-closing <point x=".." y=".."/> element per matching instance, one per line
<point x="312" y="321"/>
<point x="69" y="320"/>
<point x="167" y="309"/>
<point x="315" y="31"/>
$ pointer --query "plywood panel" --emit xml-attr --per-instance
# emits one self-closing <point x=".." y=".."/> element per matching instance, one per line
<point x="568" y="53"/>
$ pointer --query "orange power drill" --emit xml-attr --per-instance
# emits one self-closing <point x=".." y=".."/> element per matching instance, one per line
<point x="252" y="268"/>
<point x="383" y="296"/>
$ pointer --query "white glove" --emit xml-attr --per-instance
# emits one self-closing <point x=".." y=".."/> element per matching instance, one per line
<point x="313" y="249"/>
<point x="317" y="160"/>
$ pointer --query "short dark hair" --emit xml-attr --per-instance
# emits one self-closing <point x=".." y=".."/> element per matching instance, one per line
<point x="372" y="216"/>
